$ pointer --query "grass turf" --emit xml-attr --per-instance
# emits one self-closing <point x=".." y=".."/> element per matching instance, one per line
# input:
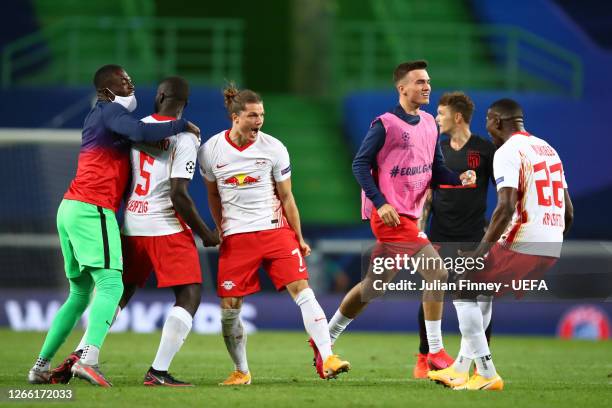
<point x="543" y="372"/>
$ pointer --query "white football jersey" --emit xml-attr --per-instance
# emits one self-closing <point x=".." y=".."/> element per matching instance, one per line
<point x="149" y="210"/>
<point x="246" y="178"/>
<point x="534" y="168"/>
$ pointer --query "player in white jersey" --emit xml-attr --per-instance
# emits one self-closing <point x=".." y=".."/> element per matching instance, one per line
<point x="247" y="174"/>
<point x="157" y="230"/>
<point x="534" y="211"/>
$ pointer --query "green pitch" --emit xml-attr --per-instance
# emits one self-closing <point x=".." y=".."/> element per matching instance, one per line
<point x="541" y="372"/>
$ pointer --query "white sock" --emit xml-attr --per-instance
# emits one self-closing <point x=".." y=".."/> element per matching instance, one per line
<point x="434" y="335"/>
<point x="485" y="303"/>
<point x="82" y="343"/>
<point x="471" y="326"/>
<point x="315" y="321"/>
<point x="463" y="362"/>
<point x="175" y="331"/>
<point x="42" y="364"/>
<point x="90" y="355"/>
<point x="235" y="338"/>
<point x="337" y="325"/>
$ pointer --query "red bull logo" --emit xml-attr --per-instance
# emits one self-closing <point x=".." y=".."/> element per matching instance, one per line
<point x="241" y="180"/>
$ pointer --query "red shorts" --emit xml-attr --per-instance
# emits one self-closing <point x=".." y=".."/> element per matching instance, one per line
<point x="173" y="257"/>
<point x="505" y="266"/>
<point x="241" y="255"/>
<point x="406" y="237"/>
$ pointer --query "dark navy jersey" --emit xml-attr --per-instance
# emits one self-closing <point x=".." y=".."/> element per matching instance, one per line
<point x="104" y="162"/>
<point x="458" y="212"/>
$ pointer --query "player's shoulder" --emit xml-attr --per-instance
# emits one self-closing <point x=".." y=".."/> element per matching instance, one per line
<point x="188" y="139"/>
<point x="213" y="141"/>
<point x="270" y="141"/>
<point x="482" y="141"/>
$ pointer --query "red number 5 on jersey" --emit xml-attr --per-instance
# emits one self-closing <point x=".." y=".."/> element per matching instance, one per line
<point x="146" y="175"/>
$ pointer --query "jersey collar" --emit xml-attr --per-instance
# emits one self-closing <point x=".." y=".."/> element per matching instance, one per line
<point x="160" y="118"/>
<point x="522" y="134"/>
<point x="234" y="145"/>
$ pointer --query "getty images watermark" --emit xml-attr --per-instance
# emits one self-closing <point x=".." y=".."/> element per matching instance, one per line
<point x="458" y="267"/>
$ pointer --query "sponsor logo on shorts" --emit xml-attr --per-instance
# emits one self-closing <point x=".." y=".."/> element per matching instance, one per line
<point x="228" y="285"/>
<point x="302" y="269"/>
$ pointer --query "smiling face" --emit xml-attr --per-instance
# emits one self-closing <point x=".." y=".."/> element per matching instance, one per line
<point x="249" y="121"/>
<point x="415" y="87"/>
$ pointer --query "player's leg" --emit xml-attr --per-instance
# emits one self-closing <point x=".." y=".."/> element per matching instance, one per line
<point x="80" y="287"/>
<point x="356" y="300"/>
<point x="109" y="288"/>
<point x="235" y="338"/>
<point x="433" y="272"/>
<point x="102" y="258"/>
<point x="474" y="345"/>
<point x="64" y="321"/>
<point x="176" y="263"/>
<point x="174" y="333"/>
<point x="240" y="256"/>
<point x="421" y="367"/>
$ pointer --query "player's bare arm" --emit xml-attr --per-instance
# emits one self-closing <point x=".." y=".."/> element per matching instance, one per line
<point x="501" y="217"/>
<point x="185" y="207"/>
<point x="285" y="195"/>
<point x="569" y="211"/>
<point x="426" y="211"/>
<point x="214" y="203"/>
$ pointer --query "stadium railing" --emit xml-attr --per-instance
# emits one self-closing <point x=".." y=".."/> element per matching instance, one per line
<point x="460" y="55"/>
<point x="66" y="52"/>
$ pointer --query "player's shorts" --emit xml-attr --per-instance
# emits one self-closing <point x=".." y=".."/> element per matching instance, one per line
<point x="504" y="266"/>
<point x="241" y="255"/>
<point x="89" y="237"/>
<point x="403" y="239"/>
<point x="174" y="258"/>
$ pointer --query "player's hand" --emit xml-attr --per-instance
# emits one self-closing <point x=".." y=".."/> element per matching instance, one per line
<point x="304" y="248"/>
<point x="212" y="239"/>
<point x="389" y="215"/>
<point x="191" y="128"/>
<point x="468" y="177"/>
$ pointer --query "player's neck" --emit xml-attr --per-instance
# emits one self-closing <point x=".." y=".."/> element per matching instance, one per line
<point x="238" y="139"/>
<point x="409" y="108"/>
<point x="459" y="137"/>
<point x="172" y="113"/>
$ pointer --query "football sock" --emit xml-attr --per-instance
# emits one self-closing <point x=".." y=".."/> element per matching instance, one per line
<point x="90" y="355"/>
<point x="68" y="315"/>
<point x="337" y="325"/>
<point x="463" y="362"/>
<point x="109" y="289"/>
<point x="423" y="345"/>
<point x="83" y="342"/>
<point x="470" y="325"/>
<point x="315" y="321"/>
<point x="486" y="308"/>
<point x="42" y="364"/>
<point x="235" y="338"/>
<point x="175" y="331"/>
<point x="434" y="335"/>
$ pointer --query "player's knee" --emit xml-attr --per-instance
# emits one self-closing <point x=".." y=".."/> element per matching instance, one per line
<point x="231" y="303"/>
<point x="437" y="275"/>
<point x="189" y="298"/>
<point x="110" y="285"/>
<point x="294" y="288"/>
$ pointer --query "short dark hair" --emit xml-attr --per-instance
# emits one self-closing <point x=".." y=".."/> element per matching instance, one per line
<point x="458" y="102"/>
<point x="405" y="67"/>
<point x="176" y="86"/>
<point x="507" y="107"/>
<point x="236" y="100"/>
<point x="104" y="74"/>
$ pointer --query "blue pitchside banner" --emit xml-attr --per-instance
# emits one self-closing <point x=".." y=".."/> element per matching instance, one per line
<point x="34" y="310"/>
